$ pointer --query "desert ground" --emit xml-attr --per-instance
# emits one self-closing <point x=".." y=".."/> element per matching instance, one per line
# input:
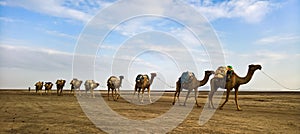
<point x="263" y="112"/>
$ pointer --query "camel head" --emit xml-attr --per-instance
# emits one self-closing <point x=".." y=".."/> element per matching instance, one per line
<point x="48" y="84"/>
<point x="254" y="67"/>
<point x="73" y="81"/>
<point x="208" y="73"/>
<point x="60" y="82"/>
<point x="121" y="77"/>
<point x="39" y="84"/>
<point x="153" y="75"/>
<point x="139" y="78"/>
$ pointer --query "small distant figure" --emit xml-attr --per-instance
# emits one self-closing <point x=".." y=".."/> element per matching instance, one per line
<point x="48" y="87"/>
<point x="39" y="86"/>
<point x="60" y="85"/>
<point x="90" y="85"/>
<point x="29" y="89"/>
<point x="229" y="73"/>
<point x="114" y="83"/>
<point x="75" y="85"/>
<point x="143" y="82"/>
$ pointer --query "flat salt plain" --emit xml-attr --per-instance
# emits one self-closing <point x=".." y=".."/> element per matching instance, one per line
<point x="263" y="112"/>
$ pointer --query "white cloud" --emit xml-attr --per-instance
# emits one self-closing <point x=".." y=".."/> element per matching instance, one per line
<point x="279" y="39"/>
<point x="34" y="58"/>
<point x="133" y="27"/>
<point x="2" y="3"/>
<point x="250" y="10"/>
<point x="9" y="20"/>
<point x="60" y="34"/>
<point x="51" y="7"/>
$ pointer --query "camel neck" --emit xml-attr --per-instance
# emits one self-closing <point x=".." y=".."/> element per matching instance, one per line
<point x="205" y="79"/>
<point x="247" y="78"/>
<point x="121" y="81"/>
<point x="151" y="80"/>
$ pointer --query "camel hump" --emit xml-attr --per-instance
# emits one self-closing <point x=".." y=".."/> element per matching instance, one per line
<point x="146" y="76"/>
<point x="220" y="72"/>
<point x="113" y="80"/>
<point x="187" y="77"/>
<point x="139" y="77"/>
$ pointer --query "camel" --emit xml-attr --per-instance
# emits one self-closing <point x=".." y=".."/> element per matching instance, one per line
<point x="234" y="82"/>
<point x="189" y="81"/>
<point x="90" y="85"/>
<point x="39" y="86"/>
<point x="48" y="87"/>
<point x="114" y="83"/>
<point x="60" y="85"/>
<point x="142" y="83"/>
<point x="75" y="85"/>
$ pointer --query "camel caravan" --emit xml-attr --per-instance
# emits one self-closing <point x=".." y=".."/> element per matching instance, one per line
<point x="224" y="78"/>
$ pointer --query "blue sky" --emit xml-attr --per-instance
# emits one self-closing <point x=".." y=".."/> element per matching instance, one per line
<point x="38" y="40"/>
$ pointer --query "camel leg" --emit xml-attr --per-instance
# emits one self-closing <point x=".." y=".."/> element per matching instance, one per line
<point x="143" y="90"/>
<point x="213" y="89"/>
<point x="196" y="96"/>
<point x="133" y="95"/>
<point x="236" y="100"/>
<point x="92" y="90"/>
<point x="227" y="96"/>
<point x="118" y="93"/>
<point x="115" y="94"/>
<point x="108" y="90"/>
<point x="186" y="97"/>
<point x="61" y="92"/>
<point x="174" y="97"/>
<point x="210" y="101"/>
<point x="149" y="95"/>
<point x="112" y="94"/>
<point x="179" y="91"/>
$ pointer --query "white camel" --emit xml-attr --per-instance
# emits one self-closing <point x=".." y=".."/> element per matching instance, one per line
<point x="114" y="83"/>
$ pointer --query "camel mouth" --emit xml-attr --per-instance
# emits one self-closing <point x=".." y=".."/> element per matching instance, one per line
<point x="259" y="67"/>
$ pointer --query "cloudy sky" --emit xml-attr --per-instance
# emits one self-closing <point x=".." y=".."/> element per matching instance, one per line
<point x="44" y="40"/>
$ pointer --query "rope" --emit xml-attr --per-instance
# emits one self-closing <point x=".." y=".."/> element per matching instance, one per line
<point x="279" y="82"/>
<point x="158" y="79"/>
<point x="128" y="82"/>
<point x="165" y="83"/>
<point x="102" y="86"/>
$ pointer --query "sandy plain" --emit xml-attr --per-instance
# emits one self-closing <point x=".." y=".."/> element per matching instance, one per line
<point x="263" y="112"/>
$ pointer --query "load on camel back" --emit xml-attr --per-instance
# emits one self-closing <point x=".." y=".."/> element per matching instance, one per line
<point x="220" y="72"/>
<point x="224" y="72"/>
<point x="186" y="77"/>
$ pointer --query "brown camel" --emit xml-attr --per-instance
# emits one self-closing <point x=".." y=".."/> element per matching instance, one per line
<point x="114" y="83"/>
<point x="60" y="85"/>
<point x="48" y="87"/>
<point x="142" y="83"/>
<point x="191" y="84"/>
<point x="234" y="82"/>
<point x="39" y="86"/>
